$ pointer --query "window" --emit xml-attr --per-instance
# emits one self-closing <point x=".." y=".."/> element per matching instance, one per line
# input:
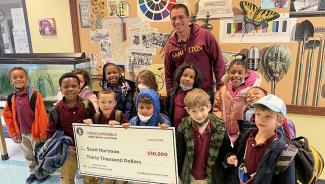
<point x="14" y="31"/>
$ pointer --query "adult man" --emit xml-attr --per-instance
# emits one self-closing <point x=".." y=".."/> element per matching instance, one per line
<point x="192" y="44"/>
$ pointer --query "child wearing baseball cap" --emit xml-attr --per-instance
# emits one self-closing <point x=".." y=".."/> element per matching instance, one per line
<point x="259" y="147"/>
<point x="254" y="94"/>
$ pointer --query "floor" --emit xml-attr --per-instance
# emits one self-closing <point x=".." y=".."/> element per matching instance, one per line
<point x="15" y="170"/>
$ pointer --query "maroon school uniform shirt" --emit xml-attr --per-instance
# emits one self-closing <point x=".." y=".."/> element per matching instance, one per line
<point x="201" y="151"/>
<point x="103" y="120"/>
<point x="25" y="114"/>
<point x="68" y="116"/>
<point x="179" y="108"/>
<point x="254" y="152"/>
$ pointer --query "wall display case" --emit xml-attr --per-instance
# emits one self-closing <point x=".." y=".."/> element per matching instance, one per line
<point x="44" y="71"/>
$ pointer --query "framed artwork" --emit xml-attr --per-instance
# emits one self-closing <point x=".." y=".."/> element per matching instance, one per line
<point x="47" y="26"/>
<point x="310" y="8"/>
<point x="84" y="14"/>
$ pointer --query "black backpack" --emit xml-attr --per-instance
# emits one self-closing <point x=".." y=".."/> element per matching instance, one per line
<point x="32" y="100"/>
<point x="118" y="116"/>
<point x="309" y="163"/>
<point x="55" y="115"/>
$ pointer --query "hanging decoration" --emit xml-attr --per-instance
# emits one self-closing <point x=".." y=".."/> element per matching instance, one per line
<point x="276" y="62"/>
<point x="256" y="16"/>
<point x="253" y="60"/>
<point x="207" y="25"/>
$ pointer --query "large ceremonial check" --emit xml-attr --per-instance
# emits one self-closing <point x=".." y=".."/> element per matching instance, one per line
<point x="138" y="154"/>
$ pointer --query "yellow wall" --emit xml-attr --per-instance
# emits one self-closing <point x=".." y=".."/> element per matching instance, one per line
<point x="284" y="88"/>
<point x="313" y="128"/>
<point x="60" y="11"/>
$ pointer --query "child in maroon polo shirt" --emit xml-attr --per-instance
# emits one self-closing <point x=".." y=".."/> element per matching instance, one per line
<point x="70" y="110"/>
<point x="26" y="126"/>
<point x="258" y="148"/>
<point x="199" y="141"/>
<point x="106" y="115"/>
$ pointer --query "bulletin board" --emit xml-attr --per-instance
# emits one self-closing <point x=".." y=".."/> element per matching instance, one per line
<point x="296" y="35"/>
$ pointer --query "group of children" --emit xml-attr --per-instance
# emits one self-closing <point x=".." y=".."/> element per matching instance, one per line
<point x="244" y="129"/>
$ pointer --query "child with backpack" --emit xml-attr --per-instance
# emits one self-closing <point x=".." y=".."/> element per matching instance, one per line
<point x="123" y="88"/>
<point x="71" y="109"/>
<point x="25" y="116"/>
<point x="254" y="94"/>
<point x="106" y="115"/>
<point x="257" y="150"/>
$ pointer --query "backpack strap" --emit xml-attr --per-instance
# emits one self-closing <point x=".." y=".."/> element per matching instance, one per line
<point x="86" y="106"/>
<point x="9" y="101"/>
<point x="118" y="115"/>
<point x="96" y="117"/>
<point x="285" y="158"/>
<point x="32" y="100"/>
<point x="31" y="96"/>
<point x="54" y="114"/>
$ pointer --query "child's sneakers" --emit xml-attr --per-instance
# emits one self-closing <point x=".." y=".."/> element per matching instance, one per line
<point x="31" y="178"/>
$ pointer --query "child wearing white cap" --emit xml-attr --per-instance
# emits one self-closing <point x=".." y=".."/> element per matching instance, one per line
<point x="254" y="94"/>
<point x="258" y="148"/>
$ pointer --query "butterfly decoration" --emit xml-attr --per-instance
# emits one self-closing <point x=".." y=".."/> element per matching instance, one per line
<point x="279" y="3"/>
<point x="255" y="15"/>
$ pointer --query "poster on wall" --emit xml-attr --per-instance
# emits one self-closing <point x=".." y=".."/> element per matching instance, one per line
<point x="139" y="59"/>
<point x="269" y="4"/>
<point x="98" y="35"/>
<point x="135" y="35"/>
<point x="141" y="38"/>
<point x="215" y="9"/>
<point x="106" y="49"/>
<point x="146" y="40"/>
<point x="155" y="10"/>
<point x="19" y="30"/>
<point x="112" y="8"/>
<point x="98" y="12"/>
<point x="159" y="39"/>
<point x="84" y="14"/>
<point x="235" y="31"/>
<point x="307" y="8"/>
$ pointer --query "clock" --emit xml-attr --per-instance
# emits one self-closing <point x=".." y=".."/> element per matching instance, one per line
<point x="2" y="15"/>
